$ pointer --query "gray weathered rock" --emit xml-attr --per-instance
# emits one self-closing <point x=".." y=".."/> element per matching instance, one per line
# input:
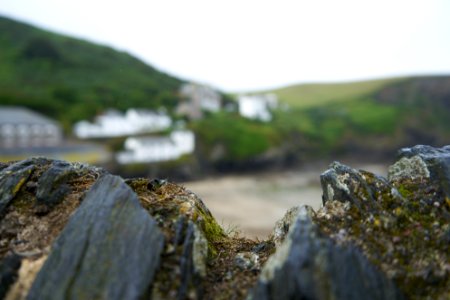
<point x="11" y="180"/>
<point x="110" y="248"/>
<point x="434" y="163"/>
<point x="192" y="262"/>
<point x="282" y="226"/>
<point x="309" y="265"/>
<point x="247" y="261"/>
<point x="408" y="167"/>
<point x="52" y="186"/>
<point x="401" y="225"/>
<point x="360" y="188"/>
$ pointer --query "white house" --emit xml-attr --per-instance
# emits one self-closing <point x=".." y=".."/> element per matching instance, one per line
<point x="257" y="107"/>
<point x="113" y="124"/>
<point x="198" y="98"/>
<point x="157" y="149"/>
<point x="23" y="128"/>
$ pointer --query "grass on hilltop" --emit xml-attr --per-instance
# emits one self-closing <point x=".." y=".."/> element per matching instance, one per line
<point x="317" y="94"/>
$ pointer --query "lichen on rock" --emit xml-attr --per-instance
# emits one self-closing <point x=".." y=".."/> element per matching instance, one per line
<point x="403" y="230"/>
<point x="308" y="265"/>
<point x="413" y="168"/>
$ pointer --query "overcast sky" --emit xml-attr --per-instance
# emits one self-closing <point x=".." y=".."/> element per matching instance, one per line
<point x="239" y="45"/>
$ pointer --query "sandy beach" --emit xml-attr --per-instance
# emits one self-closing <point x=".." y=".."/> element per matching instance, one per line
<point x="252" y="204"/>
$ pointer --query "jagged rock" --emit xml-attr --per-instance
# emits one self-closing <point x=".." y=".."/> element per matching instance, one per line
<point x="52" y="186"/>
<point x="23" y="229"/>
<point x="187" y="252"/>
<point x="413" y="168"/>
<point x="423" y="162"/>
<point x="282" y="226"/>
<point x="192" y="252"/>
<point x="50" y="180"/>
<point x="401" y="224"/>
<point x="192" y="262"/>
<point x="11" y="180"/>
<point x="110" y="249"/>
<point x="362" y="189"/>
<point x="308" y="265"/>
<point x="190" y="232"/>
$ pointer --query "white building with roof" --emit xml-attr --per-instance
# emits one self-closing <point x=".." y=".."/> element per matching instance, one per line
<point x="199" y="98"/>
<point x="24" y="128"/>
<point x="157" y="149"/>
<point x="113" y="124"/>
<point x="257" y="107"/>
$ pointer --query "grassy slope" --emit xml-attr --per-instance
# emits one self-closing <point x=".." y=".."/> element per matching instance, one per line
<point x="310" y="95"/>
<point x="372" y="115"/>
<point x="71" y="79"/>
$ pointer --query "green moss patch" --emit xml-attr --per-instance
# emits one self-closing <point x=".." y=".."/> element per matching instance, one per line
<point x="407" y="237"/>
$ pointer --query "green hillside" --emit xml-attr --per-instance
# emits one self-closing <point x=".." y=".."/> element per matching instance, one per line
<point x="309" y="95"/>
<point x="368" y="119"/>
<point x="71" y="79"/>
<point x="370" y="115"/>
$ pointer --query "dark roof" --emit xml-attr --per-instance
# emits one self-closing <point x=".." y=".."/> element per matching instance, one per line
<point x="19" y="115"/>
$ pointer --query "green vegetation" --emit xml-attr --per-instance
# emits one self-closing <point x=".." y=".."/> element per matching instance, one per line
<point x="369" y="117"/>
<point x="377" y="116"/>
<point x="227" y="136"/>
<point x="230" y="137"/>
<point x="372" y="115"/>
<point x="70" y="79"/>
<point x="312" y="95"/>
<point x="331" y="127"/>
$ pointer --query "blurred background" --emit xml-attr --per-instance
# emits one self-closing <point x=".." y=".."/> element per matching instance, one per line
<point x="243" y="102"/>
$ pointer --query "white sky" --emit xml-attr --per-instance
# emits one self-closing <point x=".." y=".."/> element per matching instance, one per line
<point x="239" y="45"/>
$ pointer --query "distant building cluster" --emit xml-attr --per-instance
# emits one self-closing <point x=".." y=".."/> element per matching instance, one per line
<point x="157" y="149"/>
<point x="197" y="99"/>
<point x="200" y="98"/>
<point x="113" y="124"/>
<point x="257" y="107"/>
<point x="23" y="128"/>
<point x="138" y="148"/>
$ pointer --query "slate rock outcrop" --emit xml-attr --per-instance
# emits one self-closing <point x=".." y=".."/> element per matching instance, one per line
<point x="309" y="265"/>
<point x="401" y="223"/>
<point x="52" y="185"/>
<point x="71" y="230"/>
<point x="11" y="180"/>
<point x="435" y="164"/>
<point x="110" y="248"/>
